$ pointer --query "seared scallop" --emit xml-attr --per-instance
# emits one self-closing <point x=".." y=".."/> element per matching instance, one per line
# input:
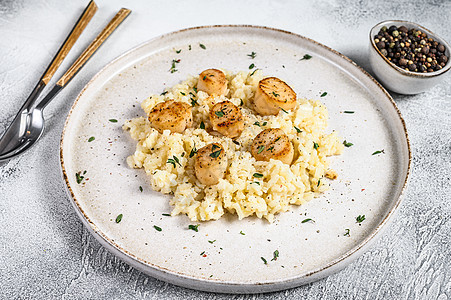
<point x="272" y="95"/>
<point x="272" y="143"/>
<point x="212" y="81"/>
<point x="172" y="115"/>
<point x="227" y="119"/>
<point x="210" y="164"/>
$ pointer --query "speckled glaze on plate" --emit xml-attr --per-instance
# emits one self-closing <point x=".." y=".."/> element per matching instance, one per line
<point x="226" y="255"/>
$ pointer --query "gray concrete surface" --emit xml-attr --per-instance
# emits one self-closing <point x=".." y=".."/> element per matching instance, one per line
<point x="46" y="253"/>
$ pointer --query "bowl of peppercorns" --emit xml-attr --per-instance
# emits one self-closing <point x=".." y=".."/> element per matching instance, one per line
<point x="406" y="57"/>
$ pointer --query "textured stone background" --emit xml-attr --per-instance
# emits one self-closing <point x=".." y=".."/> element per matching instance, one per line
<point x="46" y="253"/>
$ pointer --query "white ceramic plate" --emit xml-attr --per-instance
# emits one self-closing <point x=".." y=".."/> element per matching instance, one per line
<point x="369" y="185"/>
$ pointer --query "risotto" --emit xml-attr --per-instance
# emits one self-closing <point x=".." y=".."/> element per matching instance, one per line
<point x="249" y="186"/>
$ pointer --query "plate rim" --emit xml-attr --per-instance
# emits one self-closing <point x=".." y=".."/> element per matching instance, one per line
<point x="210" y="284"/>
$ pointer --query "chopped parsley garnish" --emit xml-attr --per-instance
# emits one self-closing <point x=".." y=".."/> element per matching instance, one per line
<point x="258" y="123"/>
<point x="202" y="46"/>
<point x="141" y="189"/>
<point x="164" y="93"/>
<point x="193" y="151"/>
<point x="211" y="242"/>
<point x="347" y="144"/>
<point x="323" y="94"/>
<point x="319" y="182"/>
<point x="297" y="129"/>
<point x="79" y="177"/>
<point x="194" y="227"/>
<point x="360" y="218"/>
<point x="275" y="255"/>
<point x="348" y="112"/>
<point x="91" y="139"/>
<point x="258" y="175"/>
<point x="284" y="110"/>
<point x="173" y="69"/>
<point x="251" y="66"/>
<point x="242" y="233"/>
<point x="213" y="147"/>
<point x="219" y="113"/>
<point x="347" y="232"/>
<point x="315" y="145"/>
<point x="178" y="51"/>
<point x="264" y="260"/>
<point x="253" y="72"/>
<point x="166" y="215"/>
<point x="173" y="161"/>
<point x="157" y="228"/>
<point x="216" y="153"/>
<point x="252" y="55"/>
<point x="306" y="57"/>
<point x="194" y="102"/>
<point x="202" y="125"/>
<point x="118" y="218"/>
<point x="275" y="94"/>
<point x="113" y="120"/>
<point x="260" y="149"/>
<point x="183" y="93"/>
<point x="307" y="220"/>
<point x="204" y="77"/>
<point x="378" y="152"/>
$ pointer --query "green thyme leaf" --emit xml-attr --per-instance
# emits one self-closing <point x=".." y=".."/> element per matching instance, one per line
<point x="202" y="46"/>
<point x="315" y="145"/>
<point x="214" y="147"/>
<point x="176" y="160"/>
<point x="284" y="110"/>
<point x="256" y="182"/>
<point x="203" y="252"/>
<point x="347" y="232"/>
<point x="193" y="151"/>
<point x="252" y="55"/>
<point x="215" y="154"/>
<point x="275" y="94"/>
<point x="178" y="51"/>
<point x="378" y="152"/>
<point x="264" y="260"/>
<point x="91" y="139"/>
<point x="194" y="227"/>
<point x="171" y="161"/>
<point x="219" y="113"/>
<point x="113" y="120"/>
<point x="275" y="255"/>
<point x="253" y="72"/>
<point x="118" y="218"/>
<point x="164" y="93"/>
<point x="307" y="220"/>
<point x="157" y="228"/>
<point x="202" y="125"/>
<point x="211" y="242"/>
<point x="260" y="149"/>
<point x="347" y="144"/>
<point x="360" y="218"/>
<point x="348" y="112"/>
<point x="166" y="215"/>
<point x="183" y="93"/>
<point x="297" y="129"/>
<point x="79" y="177"/>
<point x="323" y="94"/>
<point x="194" y="102"/>
<point x="306" y="57"/>
<point x="141" y="189"/>
<point x="241" y="102"/>
<point x="242" y="233"/>
<point x="319" y="182"/>
<point x="258" y="175"/>
<point x="251" y="66"/>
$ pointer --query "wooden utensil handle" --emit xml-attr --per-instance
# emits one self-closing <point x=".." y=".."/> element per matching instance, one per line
<point x="81" y="24"/>
<point x="92" y="48"/>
